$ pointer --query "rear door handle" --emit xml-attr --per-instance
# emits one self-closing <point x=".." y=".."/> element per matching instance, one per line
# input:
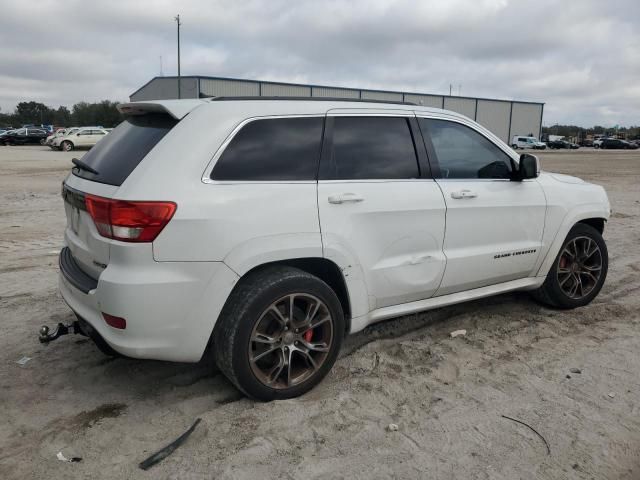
<point x="345" y="198"/>
<point x="463" y="194"/>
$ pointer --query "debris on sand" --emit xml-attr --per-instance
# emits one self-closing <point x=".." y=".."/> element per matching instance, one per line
<point x="169" y="449"/>
<point x="392" y="427"/>
<point x="575" y="370"/>
<point x="532" y="429"/>
<point x="23" y="361"/>
<point x="458" y="333"/>
<point x="62" y="458"/>
<point x="611" y="394"/>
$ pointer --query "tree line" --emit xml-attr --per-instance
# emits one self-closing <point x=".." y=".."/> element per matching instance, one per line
<point x="104" y="114"/>
<point x="632" y="132"/>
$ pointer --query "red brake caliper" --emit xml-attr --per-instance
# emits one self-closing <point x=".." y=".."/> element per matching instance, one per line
<point x="308" y="335"/>
<point x="563" y="262"/>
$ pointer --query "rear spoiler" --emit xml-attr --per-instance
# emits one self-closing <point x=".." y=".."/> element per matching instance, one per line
<point x="178" y="109"/>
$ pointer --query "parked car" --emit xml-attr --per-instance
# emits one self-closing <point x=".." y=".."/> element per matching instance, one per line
<point x="614" y="143"/>
<point x="598" y="142"/>
<point x="526" y="142"/>
<point x="291" y="223"/>
<point x="59" y="133"/>
<point x="555" y="144"/>
<point x="585" y="143"/>
<point x="85" y="137"/>
<point x="23" y="136"/>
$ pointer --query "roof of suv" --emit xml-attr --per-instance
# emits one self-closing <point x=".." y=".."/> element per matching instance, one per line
<point x="309" y="105"/>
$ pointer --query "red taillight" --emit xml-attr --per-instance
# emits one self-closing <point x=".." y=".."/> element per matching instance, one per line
<point x="115" y="322"/>
<point x="129" y="221"/>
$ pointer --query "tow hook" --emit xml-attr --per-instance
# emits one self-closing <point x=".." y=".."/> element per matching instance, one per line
<point x="61" y="329"/>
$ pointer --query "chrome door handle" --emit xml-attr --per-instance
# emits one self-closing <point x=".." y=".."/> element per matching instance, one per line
<point x="345" y="198"/>
<point x="463" y="194"/>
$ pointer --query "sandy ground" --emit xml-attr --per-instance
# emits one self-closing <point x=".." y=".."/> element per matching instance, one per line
<point x="446" y="395"/>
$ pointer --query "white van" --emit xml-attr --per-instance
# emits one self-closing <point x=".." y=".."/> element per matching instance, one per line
<point x="527" y="142"/>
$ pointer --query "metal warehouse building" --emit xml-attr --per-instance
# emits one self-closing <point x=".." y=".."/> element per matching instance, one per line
<point x="504" y="118"/>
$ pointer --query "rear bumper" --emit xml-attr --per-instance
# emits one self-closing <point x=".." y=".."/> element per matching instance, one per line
<point x="170" y="307"/>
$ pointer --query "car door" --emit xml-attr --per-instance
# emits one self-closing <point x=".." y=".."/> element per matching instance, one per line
<point x="81" y="138"/>
<point x="381" y="214"/>
<point x="97" y="135"/>
<point x="494" y="225"/>
<point x="20" y="137"/>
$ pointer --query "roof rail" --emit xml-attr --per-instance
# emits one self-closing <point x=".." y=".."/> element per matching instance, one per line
<point x="306" y="99"/>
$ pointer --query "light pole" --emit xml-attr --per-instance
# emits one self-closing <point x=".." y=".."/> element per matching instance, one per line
<point x="177" y="19"/>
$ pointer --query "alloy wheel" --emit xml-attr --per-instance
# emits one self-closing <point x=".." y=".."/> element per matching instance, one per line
<point x="291" y="340"/>
<point x="579" y="267"/>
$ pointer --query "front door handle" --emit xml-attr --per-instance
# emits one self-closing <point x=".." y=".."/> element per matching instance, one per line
<point x="345" y="198"/>
<point x="463" y="194"/>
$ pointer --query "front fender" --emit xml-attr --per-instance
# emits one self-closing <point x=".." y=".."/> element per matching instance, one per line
<point x="573" y="216"/>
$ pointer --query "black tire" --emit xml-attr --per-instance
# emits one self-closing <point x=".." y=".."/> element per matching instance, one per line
<point x="514" y="146"/>
<point x="66" y="146"/>
<point x="241" y="315"/>
<point x="551" y="293"/>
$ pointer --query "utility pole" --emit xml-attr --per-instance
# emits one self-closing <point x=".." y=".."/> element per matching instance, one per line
<point x="450" y="87"/>
<point x="161" y="72"/>
<point x="177" y="19"/>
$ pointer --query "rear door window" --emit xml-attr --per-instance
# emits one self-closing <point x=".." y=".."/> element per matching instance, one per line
<point x="372" y="148"/>
<point x="274" y="149"/>
<point x="115" y="157"/>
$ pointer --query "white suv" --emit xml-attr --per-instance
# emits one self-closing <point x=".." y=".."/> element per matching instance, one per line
<point x="85" y="137"/>
<point x="268" y="229"/>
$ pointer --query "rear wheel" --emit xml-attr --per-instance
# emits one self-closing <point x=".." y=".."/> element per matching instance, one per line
<point x="579" y="270"/>
<point x="514" y="146"/>
<point x="279" y="333"/>
<point x="67" y="146"/>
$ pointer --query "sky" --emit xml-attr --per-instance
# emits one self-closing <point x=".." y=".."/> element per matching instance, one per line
<point x="580" y="57"/>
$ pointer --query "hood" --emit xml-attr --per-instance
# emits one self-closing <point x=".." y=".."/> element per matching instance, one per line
<point x="566" y="178"/>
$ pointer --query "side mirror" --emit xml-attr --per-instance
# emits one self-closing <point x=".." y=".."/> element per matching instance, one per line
<point x="529" y="166"/>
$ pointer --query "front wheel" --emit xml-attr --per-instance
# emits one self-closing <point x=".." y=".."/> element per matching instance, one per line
<point x="578" y="272"/>
<point x="279" y="333"/>
<point x="66" y="146"/>
<point x="514" y="146"/>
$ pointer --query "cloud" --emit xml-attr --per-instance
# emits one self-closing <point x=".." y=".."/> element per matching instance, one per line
<point x="581" y="58"/>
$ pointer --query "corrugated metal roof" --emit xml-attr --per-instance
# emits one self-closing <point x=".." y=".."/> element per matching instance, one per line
<point x="375" y="92"/>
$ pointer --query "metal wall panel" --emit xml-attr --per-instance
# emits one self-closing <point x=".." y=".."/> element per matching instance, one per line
<point x="284" y="90"/>
<point x="388" y="96"/>
<point x="465" y="106"/>
<point x="424" y="100"/>
<point x="228" y="88"/>
<point x="494" y="116"/>
<point x="335" y="92"/>
<point x="525" y="119"/>
<point x="167" y="88"/>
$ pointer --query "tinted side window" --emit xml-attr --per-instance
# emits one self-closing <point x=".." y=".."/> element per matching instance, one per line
<point x="464" y="153"/>
<point x="273" y="149"/>
<point x="373" y="148"/>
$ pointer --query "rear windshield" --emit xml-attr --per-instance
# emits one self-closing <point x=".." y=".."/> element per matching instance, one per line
<point x="119" y="153"/>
